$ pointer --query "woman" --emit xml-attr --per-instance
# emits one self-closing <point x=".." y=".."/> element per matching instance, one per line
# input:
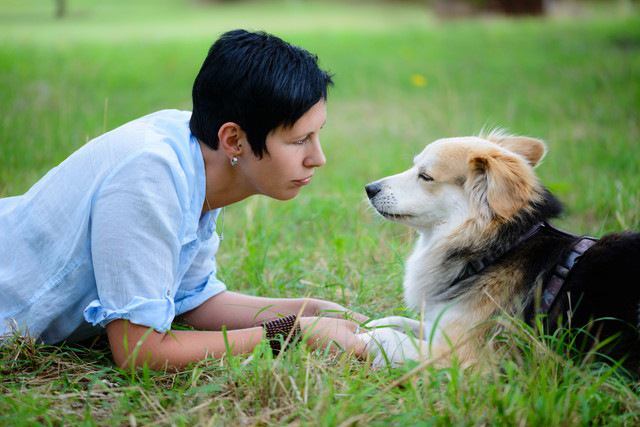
<point x="121" y="235"/>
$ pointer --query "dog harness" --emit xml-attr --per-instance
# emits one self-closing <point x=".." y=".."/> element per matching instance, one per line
<point x="476" y="266"/>
<point x="553" y="286"/>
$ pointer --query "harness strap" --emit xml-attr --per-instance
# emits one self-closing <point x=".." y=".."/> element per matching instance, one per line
<point x="553" y="286"/>
<point x="556" y="282"/>
<point x="476" y="266"/>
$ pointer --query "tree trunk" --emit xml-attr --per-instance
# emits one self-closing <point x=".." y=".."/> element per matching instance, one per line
<point x="61" y="8"/>
<point x="522" y="7"/>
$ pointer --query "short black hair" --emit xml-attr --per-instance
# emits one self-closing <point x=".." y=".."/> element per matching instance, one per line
<point x="258" y="81"/>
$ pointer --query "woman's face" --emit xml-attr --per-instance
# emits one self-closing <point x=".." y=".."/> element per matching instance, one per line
<point x="294" y="153"/>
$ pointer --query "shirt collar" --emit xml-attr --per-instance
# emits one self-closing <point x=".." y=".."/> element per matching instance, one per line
<point x="206" y="222"/>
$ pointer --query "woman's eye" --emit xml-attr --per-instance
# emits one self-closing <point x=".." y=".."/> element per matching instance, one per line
<point x="425" y="177"/>
<point x="303" y="140"/>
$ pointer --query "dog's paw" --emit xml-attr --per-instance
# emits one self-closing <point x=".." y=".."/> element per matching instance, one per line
<point x="389" y="347"/>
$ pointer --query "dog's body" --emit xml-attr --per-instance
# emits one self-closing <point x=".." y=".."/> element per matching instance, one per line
<point x="477" y="198"/>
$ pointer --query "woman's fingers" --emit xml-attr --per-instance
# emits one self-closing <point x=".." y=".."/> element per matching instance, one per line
<point x="322" y="331"/>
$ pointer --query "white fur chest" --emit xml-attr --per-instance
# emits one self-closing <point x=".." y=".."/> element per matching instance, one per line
<point x="426" y="274"/>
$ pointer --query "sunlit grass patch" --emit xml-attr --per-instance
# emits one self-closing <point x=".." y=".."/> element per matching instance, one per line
<point x="530" y="379"/>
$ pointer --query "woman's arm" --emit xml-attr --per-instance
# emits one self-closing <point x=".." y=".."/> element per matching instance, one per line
<point x="140" y="344"/>
<point x="236" y="311"/>
<point x="137" y="345"/>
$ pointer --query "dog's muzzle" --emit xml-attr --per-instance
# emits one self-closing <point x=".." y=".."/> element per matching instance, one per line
<point x="373" y="189"/>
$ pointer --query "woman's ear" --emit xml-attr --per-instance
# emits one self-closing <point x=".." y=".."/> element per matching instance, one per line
<point x="231" y="139"/>
<point x="503" y="182"/>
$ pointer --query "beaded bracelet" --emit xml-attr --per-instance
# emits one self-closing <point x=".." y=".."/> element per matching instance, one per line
<point x="281" y="329"/>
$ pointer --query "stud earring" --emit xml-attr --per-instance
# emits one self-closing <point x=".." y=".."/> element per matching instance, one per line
<point x="234" y="161"/>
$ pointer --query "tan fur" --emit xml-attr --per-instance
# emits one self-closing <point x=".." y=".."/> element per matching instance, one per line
<point x="451" y="164"/>
<point x="495" y="294"/>
<point x="510" y="183"/>
<point x="461" y="343"/>
<point x="495" y="173"/>
<point x="532" y="149"/>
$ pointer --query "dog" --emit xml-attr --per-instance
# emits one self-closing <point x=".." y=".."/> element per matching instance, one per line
<point x="485" y="247"/>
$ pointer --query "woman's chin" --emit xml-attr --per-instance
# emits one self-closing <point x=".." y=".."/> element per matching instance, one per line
<point x="287" y="194"/>
<point x="282" y="193"/>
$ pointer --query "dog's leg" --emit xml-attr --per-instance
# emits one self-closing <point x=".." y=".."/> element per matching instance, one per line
<point x="399" y="323"/>
<point x="392" y="348"/>
<point x="389" y="347"/>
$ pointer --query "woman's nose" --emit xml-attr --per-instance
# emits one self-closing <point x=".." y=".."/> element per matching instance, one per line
<point x="316" y="158"/>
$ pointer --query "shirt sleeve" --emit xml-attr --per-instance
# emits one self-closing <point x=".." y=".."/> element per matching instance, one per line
<point x="200" y="282"/>
<point x="136" y="225"/>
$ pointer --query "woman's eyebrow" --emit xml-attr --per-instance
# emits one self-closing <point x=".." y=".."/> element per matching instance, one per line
<point x="296" y="138"/>
<point x="308" y="133"/>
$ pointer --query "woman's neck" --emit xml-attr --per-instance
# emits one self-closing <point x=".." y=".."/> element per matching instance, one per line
<point x="224" y="183"/>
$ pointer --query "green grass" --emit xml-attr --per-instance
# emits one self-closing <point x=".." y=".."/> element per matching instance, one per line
<point x="574" y="82"/>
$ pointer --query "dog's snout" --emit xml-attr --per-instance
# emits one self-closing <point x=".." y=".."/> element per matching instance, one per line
<point x="373" y="189"/>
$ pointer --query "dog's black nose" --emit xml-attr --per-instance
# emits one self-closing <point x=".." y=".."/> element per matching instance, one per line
<point x="373" y="189"/>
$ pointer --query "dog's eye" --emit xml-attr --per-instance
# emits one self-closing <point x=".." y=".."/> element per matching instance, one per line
<point x="425" y="177"/>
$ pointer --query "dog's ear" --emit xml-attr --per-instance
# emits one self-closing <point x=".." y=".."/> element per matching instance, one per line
<point x="501" y="181"/>
<point x="532" y="149"/>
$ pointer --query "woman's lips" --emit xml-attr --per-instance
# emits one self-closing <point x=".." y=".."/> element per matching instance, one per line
<point x="303" y="181"/>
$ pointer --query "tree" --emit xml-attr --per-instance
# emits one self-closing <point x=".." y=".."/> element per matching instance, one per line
<point x="61" y="8"/>
<point x="522" y="7"/>
<point x="508" y="7"/>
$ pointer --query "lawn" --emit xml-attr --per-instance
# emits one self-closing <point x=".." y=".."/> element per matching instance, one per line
<point x="403" y="78"/>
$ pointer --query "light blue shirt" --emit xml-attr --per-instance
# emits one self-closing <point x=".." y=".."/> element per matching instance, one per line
<point x="113" y="232"/>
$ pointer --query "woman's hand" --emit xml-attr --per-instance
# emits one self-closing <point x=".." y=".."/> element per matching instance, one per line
<point x="320" y="332"/>
<point x="324" y="308"/>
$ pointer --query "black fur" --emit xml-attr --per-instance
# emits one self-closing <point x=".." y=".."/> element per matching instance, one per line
<point x="502" y="246"/>
<point x="601" y="294"/>
<point x="547" y="208"/>
<point x="604" y="286"/>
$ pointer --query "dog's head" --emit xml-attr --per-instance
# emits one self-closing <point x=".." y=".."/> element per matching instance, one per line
<point x="488" y="178"/>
